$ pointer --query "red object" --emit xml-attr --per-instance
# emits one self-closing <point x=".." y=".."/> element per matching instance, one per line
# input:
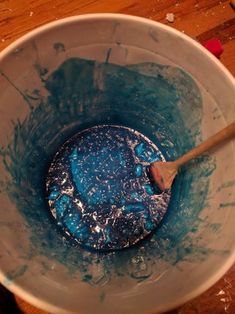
<point x="214" y="46"/>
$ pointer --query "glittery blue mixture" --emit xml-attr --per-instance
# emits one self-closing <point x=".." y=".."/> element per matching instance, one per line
<point x="99" y="190"/>
<point x="161" y="102"/>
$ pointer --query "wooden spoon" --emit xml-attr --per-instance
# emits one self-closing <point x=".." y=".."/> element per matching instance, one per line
<point x="164" y="172"/>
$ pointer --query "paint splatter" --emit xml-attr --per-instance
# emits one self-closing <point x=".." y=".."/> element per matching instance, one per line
<point x="16" y="273"/>
<point x="59" y="47"/>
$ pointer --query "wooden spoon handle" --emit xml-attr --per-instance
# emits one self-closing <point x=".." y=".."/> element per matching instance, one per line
<point x="220" y="137"/>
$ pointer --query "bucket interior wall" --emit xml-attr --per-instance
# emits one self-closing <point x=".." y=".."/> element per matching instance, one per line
<point x="61" y="82"/>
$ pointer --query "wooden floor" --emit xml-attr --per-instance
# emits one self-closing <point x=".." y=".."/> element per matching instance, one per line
<point x="202" y="20"/>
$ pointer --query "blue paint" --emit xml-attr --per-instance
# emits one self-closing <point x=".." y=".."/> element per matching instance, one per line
<point x="137" y="207"/>
<point x="59" y="47"/>
<point x="14" y="274"/>
<point x="155" y="100"/>
<point x="24" y="96"/>
<point x="102" y="296"/>
<point x="228" y="204"/>
<point x="147" y="155"/>
<point x="149" y="189"/>
<point x="215" y="227"/>
<point x="53" y="195"/>
<point x="226" y="185"/>
<point x="153" y="34"/>
<point x="108" y="55"/>
<point x="89" y="185"/>
<point x="135" y="196"/>
<point x="139" y="170"/>
<point x="62" y="205"/>
<point x="42" y="71"/>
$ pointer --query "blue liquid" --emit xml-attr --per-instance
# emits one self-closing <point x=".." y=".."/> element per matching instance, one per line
<point x="99" y="190"/>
